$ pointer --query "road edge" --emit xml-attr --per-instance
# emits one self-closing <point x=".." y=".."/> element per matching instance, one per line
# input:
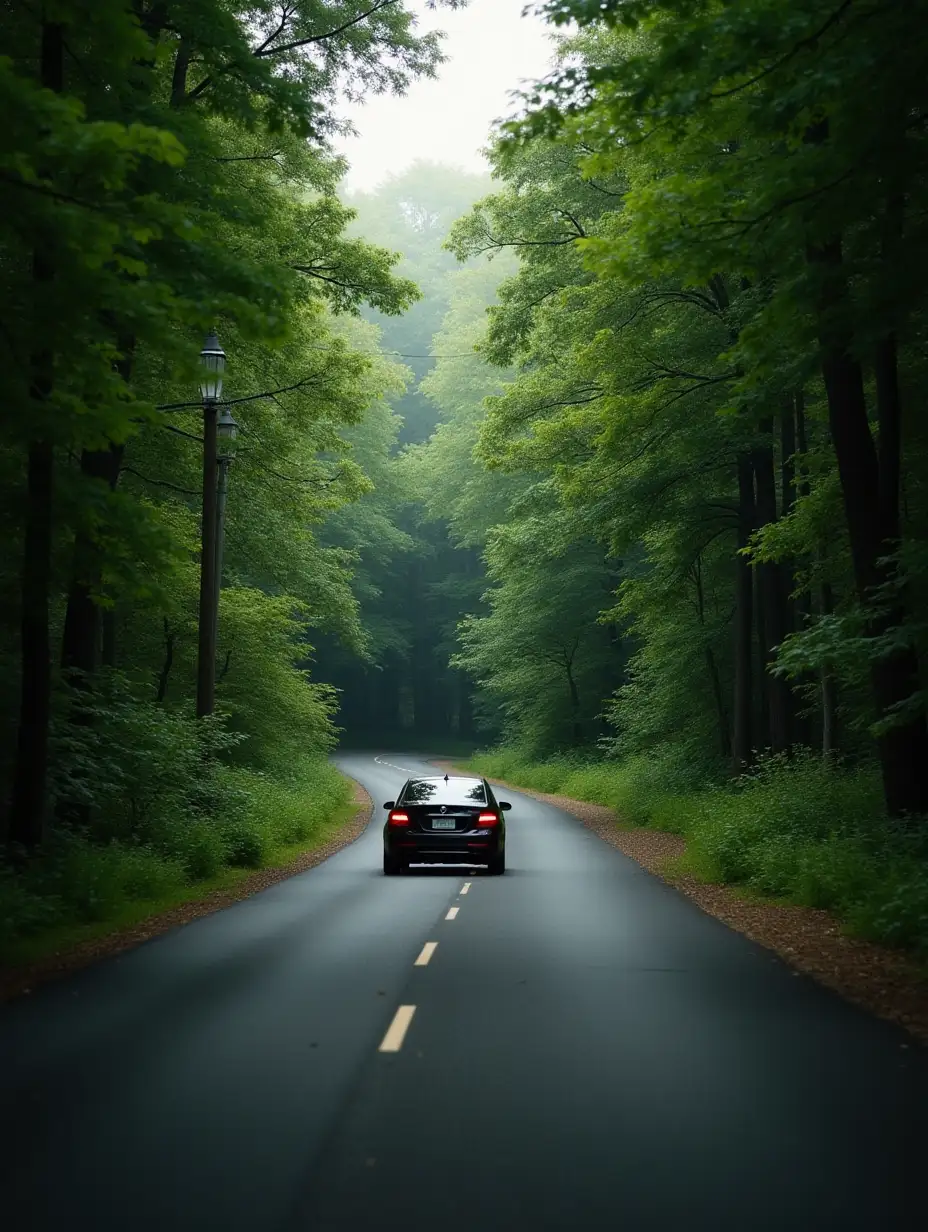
<point x="873" y="977"/>
<point x="19" y="981"/>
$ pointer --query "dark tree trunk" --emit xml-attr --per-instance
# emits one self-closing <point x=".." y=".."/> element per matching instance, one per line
<point x="889" y="412"/>
<point x="576" y="724"/>
<point x="81" y="638"/>
<point x="465" y="707"/>
<point x="742" y="744"/>
<point x="179" y="76"/>
<point x="30" y="779"/>
<point x="829" y="688"/>
<point x="712" y="667"/>
<point x="108" y="647"/>
<point x="82" y="618"/>
<point x="424" y="708"/>
<point x="795" y="606"/>
<point x="802" y="604"/>
<point x="788" y="488"/>
<point x="28" y="801"/>
<point x="771" y="623"/>
<point x="761" y="708"/>
<point x="721" y="713"/>
<point x="387" y="693"/>
<point x="165" y="674"/>
<point x="872" y="520"/>
<point x="787" y="456"/>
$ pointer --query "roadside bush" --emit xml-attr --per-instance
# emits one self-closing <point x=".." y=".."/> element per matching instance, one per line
<point x="895" y="910"/>
<point x="794" y="829"/>
<point x="93" y="883"/>
<point x="23" y="912"/>
<point x="245" y="845"/>
<point x="292" y="809"/>
<point x="197" y="845"/>
<point x="245" y="818"/>
<point x="138" y="765"/>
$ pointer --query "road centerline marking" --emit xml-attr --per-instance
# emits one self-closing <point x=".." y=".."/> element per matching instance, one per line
<point x="427" y="951"/>
<point x="452" y="912"/>
<point x="396" y="1032"/>
<point x="465" y="887"/>
<point x="392" y="765"/>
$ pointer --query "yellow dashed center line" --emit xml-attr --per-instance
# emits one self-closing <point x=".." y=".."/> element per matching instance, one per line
<point x="427" y="951"/>
<point x="396" y="1032"/>
<point x="452" y="912"/>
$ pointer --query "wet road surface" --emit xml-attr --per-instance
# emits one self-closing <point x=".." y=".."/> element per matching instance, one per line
<point x="575" y="1047"/>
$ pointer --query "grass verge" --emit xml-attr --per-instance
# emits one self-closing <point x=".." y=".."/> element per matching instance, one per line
<point x="81" y="900"/>
<point x="793" y="832"/>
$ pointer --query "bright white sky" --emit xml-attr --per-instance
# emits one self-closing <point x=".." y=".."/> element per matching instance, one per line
<point x="491" y="50"/>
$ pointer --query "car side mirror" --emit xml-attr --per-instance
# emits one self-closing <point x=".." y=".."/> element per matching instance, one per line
<point x="390" y="804"/>
<point x="505" y="805"/>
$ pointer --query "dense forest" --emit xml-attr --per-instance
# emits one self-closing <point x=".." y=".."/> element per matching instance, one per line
<point x="609" y="462"/>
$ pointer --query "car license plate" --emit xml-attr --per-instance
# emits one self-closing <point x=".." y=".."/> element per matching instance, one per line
<point x="442" y="823"/>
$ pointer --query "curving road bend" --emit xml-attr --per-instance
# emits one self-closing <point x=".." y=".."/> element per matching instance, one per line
<point x="579" y="1047"/>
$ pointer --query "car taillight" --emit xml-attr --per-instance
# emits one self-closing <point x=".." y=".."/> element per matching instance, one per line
<point x="398" y="819"/>
<point x="487" y="819"/>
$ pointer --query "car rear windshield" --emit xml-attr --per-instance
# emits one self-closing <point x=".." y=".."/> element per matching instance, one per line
<point x="437" y="791"/>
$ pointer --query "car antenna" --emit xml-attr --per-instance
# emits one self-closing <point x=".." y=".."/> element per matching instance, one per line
<point x="446" y="778"/>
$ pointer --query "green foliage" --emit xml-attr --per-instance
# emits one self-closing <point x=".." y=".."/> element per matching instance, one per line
<point x="794" y="830"/>
<point x="411" y="584"/>
<point x="166" y="170"/>
<point x="79" y="881"/>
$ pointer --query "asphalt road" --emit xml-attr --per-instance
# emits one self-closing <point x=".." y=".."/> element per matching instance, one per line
<point x="587" y="1051"/>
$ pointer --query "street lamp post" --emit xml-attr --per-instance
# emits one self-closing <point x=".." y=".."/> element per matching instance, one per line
<point x="213" y="359"/>
<point x="227" y="430"/>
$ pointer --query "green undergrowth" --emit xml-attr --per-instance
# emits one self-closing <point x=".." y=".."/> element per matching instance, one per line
<point x="792" y="831"/>
<point x="79" y="889"/>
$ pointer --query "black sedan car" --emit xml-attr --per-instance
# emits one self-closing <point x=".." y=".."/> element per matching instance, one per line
<point x="445" y="820"/>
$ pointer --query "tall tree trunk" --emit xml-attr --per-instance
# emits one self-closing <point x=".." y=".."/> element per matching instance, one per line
<point x="179" y="75"/>
<point x="82" y="623"/>
<point x="30" y="776"/>
<point x="802" y="604"/>
<point x="761" y="709"/>
<point x="711" y="666"/>
<point x="829" y="688"/>
<point x="794" y="606"/>
<point x="82" y="619"/>
<point x="788" y="489"/>
<point x="742" y="743"/>
<point x="28" y="801"/>
<point x="108" y="647"/>
<point x="465" y="707"/>
<point x="771" y="622"/>
<point x="165" y="673"/>
<point x="871" y="511"/>
<point x="389" y="720"/>
<point x="576" y="725"/>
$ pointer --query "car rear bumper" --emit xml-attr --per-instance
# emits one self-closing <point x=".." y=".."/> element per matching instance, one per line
<point x="443" y="848"/>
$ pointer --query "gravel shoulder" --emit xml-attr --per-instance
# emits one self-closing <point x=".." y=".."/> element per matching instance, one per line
<point x="881" y="980"/>
<point x="19" y="980"/>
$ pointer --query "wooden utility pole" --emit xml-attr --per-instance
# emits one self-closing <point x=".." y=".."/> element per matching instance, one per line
<point x="206" y="660"/>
